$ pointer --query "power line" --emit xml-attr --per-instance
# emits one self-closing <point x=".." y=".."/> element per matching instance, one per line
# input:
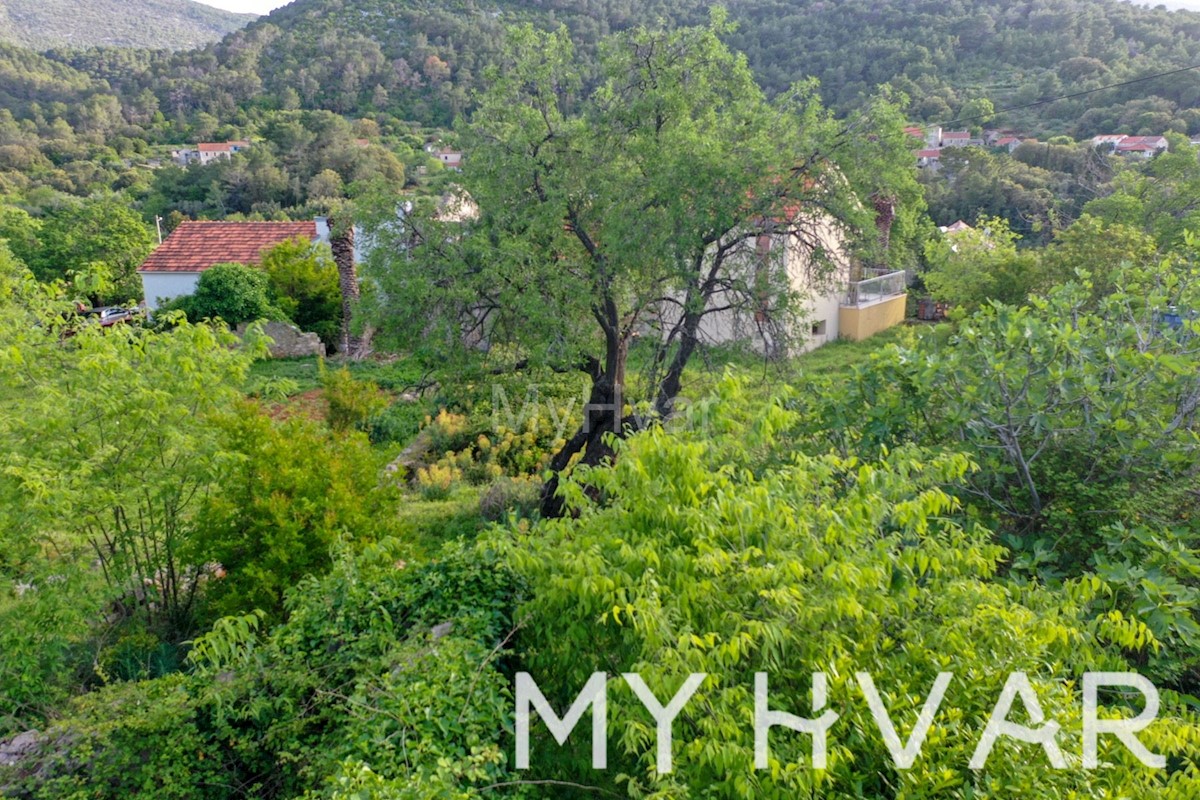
<point x="1048" y="100"/>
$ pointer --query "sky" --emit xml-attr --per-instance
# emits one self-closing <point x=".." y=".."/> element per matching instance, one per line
<point x="246" y="6"/>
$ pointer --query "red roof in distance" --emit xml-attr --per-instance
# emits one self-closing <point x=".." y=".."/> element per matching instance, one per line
<point x="196" y="246"/>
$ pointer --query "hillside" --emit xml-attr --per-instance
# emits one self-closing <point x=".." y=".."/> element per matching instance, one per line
<point x="165" y="24"/>
<point x="421" y="60"/>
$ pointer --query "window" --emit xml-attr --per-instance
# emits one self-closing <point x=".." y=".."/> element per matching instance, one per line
<point x="818" y="328"/>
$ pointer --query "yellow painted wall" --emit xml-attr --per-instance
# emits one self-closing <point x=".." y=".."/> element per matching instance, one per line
<point x="860" y="322"/>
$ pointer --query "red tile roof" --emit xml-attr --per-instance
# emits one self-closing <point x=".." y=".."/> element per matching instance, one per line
<point x="956" y="135"/>
<point x="929" y="153"/>
<point x="196" y="246"/>
<point x="220" y="147"/>
<point x="1152" y="141"/>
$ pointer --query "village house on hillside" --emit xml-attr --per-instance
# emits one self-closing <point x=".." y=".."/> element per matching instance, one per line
<point x="451" y="158"/>
<point x="211" y="151"/>
<point x="174" y="268"/>
<point x="936" y="141"/>
<point x="1133" y="146"/>
<point x="207" y="152"/>
<point x="956" y="138"/>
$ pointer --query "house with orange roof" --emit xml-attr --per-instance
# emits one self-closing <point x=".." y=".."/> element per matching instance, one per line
<point x="211" y="151"/>
<point x="174" y="268"/>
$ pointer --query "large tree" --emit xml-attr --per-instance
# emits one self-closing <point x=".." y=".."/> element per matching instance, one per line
<point x="627" y="207"/>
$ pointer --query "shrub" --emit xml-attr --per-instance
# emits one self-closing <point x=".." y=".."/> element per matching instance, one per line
<point x="352" y="403"/>
<point x="304" y="282"/>
<point x="505" y="495"/>
<point x="289" y="494"/>
<point x="233" y="293"/>
<point x="693" y="554"/>
<point x="397" y="424"/>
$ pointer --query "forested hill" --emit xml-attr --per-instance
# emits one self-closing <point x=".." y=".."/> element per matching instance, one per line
<point x="166" y="24"/>
<point x="421" y="59"/>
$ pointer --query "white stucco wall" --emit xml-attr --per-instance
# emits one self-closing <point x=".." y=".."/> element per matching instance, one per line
<point x="820" y="288"/>
<point x="159" y="286"/>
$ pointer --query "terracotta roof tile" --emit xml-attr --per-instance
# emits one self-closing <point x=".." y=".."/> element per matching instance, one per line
<point x="220" y="147"/>
<point x="196" y="246"/>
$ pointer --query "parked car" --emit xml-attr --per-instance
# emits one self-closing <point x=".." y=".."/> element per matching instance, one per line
<point x="105" y="317"/>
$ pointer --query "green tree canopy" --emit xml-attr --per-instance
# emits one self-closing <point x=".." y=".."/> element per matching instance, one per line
<point x="630" y="212"/>
<point x="304" y="284"/>
<point x="233" y="293"/>
<point x="95" y="234"/>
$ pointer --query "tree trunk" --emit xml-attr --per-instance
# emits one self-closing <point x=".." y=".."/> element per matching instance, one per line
<point x="603" y="413"/>
<point x="341" y="241"/>
<point x="601" y="416"/>
<point x="885" y="215"/>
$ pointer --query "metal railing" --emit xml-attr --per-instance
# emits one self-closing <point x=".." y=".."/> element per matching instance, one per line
<point x="881" y="285"/>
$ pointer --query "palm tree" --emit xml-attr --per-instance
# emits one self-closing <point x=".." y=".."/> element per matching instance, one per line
<point x="341" y="241"/>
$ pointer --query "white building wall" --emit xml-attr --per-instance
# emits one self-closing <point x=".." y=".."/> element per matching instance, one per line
<point x="162" y="286"/>
<point x="822" y="287"/>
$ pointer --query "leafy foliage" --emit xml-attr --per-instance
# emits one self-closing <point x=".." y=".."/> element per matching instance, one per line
<point x="232" y="293"/>
<point x="289" y="495"/>
<point x="304" y="283"/>
<point x="714" y="552"/>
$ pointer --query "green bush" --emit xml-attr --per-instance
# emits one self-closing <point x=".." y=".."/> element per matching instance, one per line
<point x="352" y="403"/>
<point x="304" y="283"/>
<point x="233" y="293"/>
<point x="507" y="495"/>
<point x="399" y="423"/>
<point x="290" y="493"/>
<point x="379" y="662"/>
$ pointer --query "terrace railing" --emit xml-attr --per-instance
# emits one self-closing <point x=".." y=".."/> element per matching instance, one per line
<point x="880" y="284"/>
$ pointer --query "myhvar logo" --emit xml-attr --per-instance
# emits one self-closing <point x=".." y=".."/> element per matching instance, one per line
<point x="904" y="755"/>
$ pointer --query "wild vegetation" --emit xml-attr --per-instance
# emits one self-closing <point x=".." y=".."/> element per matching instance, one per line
<point x="223" y="576"/>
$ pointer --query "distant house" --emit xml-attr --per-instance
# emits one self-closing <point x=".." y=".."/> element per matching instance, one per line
<point x="851" y="302"/>
<point x="1142" y="146"/>
<point x="1134" y="146"/>
<point x="174" y="268"/>
<point x="930" y="158"/>
<point x="185" y="155"/>
<point x="1009" y="143"/>
<point x="452" y="159"/>
<point x="1107" y="140"/>
<point x="211" y="151"/>
<point x="956" y="138"/>
<point x="957" y="227"/>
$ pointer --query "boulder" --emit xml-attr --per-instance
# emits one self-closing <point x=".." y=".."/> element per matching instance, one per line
<point x="288" y="341"/>
<point x="20" y="748"/>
